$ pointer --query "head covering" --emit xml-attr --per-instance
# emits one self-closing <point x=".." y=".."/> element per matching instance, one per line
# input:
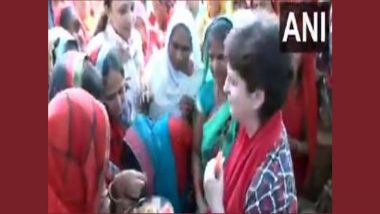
<point x="62" y="40"/>
<point x="67" y="72"/>
<point x="167" y="84"/>
<point x="224" y="20"/>
<point x="183" y="16"/>
<point x="225" y="10"/>
<point x="78" y="150"/>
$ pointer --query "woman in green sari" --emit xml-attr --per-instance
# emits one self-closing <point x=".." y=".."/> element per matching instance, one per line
<point x="214" y="128"/>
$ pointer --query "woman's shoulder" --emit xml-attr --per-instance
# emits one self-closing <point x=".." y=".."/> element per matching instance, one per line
<point x="274" y="182"/>
<point x="95" y="42"/>
<point x="205" y="98"/>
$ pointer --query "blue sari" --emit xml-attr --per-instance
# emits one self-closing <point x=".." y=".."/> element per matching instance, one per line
<point x="155" y="140"/>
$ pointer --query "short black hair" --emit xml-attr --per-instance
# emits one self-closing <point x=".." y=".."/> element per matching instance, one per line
<point x="254" y="52"/>
<point x="67" y="14"/>
<point x="91" y="80"/>
<point x="111" y="61"/>
<point x="219" y="29"/>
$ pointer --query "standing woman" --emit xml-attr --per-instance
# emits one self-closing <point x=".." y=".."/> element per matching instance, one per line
<point x="175" y="70"/>
<point x="214" y="9"/>
<point x="116" y="28"/>
<point x="214" y="128"/>
<point x="258" y="175"/>
<point x="68" y="18"/>
<point x="159" y="18"/>
<point x="301" y="117"/>
<point x="150" y="41"/>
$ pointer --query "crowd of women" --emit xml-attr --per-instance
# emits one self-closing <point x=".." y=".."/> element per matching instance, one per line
<point x="177" y="106"/>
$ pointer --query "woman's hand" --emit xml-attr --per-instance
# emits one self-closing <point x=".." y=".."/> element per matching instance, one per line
<point x="145" y="97"/>
<point x="213" y="184"/>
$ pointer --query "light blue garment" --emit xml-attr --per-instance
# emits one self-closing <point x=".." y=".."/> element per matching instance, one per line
<point x="156" y="138"/>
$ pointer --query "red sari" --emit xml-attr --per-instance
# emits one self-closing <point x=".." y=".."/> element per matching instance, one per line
<point x="117" y="143"/>
<point x="247" y="155"/>
<point x="181" y="137"/>
<point x="301" y="118"/>
<point x="78" y="148"/>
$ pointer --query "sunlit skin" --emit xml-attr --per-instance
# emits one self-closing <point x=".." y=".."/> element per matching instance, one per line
<point x="114" y="87"/>
<point x="180" y="50"/>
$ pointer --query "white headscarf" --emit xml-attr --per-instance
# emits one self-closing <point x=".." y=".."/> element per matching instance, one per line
<point x="63" y="35"/>
<point x="167" y="84"/>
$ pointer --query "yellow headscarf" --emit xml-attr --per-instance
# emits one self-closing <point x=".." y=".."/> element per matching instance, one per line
<point x="226" y="8"/>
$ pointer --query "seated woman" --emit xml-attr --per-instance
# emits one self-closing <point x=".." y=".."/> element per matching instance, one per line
<point x="214" y="128"/>
<point x="174" y="71"/>
<point x="78" y="151"/>
<point x="258" y="176"/>
<point x="74" y="69"/>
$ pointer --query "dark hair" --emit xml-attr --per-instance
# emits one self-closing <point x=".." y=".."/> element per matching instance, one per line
<point x="219" y="29"/>
<point x="111" y="62"/>
<point x="90" y="79"/>
<point x="64" y="19"/>
<point x="102" y="23"/>
<point x="254" y="52"/>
